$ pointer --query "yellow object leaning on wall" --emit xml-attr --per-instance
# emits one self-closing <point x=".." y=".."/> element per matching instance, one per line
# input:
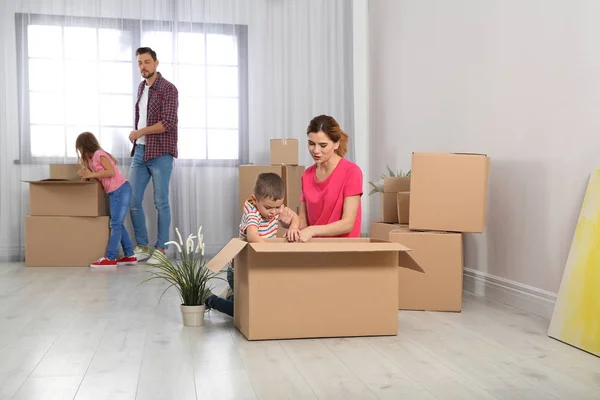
<point x="576" y="317"/>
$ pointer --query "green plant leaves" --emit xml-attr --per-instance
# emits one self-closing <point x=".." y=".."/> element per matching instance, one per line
<point x="188" y="275"/>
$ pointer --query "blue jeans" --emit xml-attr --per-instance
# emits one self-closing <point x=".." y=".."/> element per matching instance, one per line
<point x="159" y="169"/>
<point x="119" y="203"/>
<point x="220" y="304"/>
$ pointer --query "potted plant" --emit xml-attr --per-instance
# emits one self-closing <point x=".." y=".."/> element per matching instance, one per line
<point x="189" y="276"/>
<point x="378" y="184"/>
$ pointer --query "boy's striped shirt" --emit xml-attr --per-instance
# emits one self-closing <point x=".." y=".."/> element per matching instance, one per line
<point x="267" y="228"/>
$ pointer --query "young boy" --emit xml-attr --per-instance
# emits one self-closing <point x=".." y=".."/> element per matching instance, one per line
<point x="263" y="213"/>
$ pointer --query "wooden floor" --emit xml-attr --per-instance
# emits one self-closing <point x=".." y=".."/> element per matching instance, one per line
<point x="76" y="333"/>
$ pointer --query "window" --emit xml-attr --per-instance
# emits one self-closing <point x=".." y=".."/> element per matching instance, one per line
<point x="80" y="74"/>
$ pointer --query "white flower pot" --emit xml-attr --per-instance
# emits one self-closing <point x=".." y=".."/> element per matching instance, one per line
<point x="192" y="315"/>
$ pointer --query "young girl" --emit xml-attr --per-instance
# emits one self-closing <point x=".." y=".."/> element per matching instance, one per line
<point x="101" y="165"/>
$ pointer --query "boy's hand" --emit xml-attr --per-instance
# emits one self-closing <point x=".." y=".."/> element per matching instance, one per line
<point x="305" y="235"/>
<point x="286" y="215"/>
<point x="292" y="235"/>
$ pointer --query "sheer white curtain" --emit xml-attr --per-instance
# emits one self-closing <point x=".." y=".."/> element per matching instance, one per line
<point x="246" y="70"/>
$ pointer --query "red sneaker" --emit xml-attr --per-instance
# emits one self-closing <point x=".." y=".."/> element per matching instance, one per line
<point x="103" y="263"/>
<point x="132" y="260"/>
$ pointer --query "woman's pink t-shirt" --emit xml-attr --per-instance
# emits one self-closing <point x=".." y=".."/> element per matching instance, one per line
<point x="109" y="184"/>
<point x="325" y="200"/>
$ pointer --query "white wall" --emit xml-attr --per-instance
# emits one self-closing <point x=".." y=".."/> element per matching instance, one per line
<point x="518" y="80"/>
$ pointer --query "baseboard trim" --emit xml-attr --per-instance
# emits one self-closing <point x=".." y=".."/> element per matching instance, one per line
<point x="524" y="297"/>
<point x="11" y="253"/>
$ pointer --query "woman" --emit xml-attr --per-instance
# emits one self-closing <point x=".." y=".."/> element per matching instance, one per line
<point x="331" y="188"/>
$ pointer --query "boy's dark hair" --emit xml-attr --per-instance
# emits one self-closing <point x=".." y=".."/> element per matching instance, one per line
<point x="269" y="186"/>
<point x="146" y="50"/>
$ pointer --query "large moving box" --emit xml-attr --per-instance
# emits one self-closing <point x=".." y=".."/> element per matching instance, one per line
<point x="52" y="197"/>
<point x="325" y="288"/>
<point x="448" y="192"/>
<point x="437" y="283"/>
<point x="65" y="241"/>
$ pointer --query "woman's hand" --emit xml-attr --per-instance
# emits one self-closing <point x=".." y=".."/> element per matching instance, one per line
<point x="84" y="174"/>
<point x="305" y="235"/>
<point x="286" y="215"/>
<point x="292" y="235"/>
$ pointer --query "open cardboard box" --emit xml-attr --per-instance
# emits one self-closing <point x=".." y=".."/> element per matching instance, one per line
<point x="329" y="287"/>
<point x="65" y="195"/>
<point x="59" y="197"/>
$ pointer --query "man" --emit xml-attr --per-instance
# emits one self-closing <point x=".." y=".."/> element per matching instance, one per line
<point x="154" y="147"/>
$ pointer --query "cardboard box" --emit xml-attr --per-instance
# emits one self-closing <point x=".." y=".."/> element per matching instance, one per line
<point x="390" y="200"/>
<point x="396" y="184"/>
<point x="381" y="231"/>
<point x="388" y="208"/>
<point x="284" y="151"/>
<point x="65" y="171"/>
<point x="292" y="178"/>
<point x="67" y="198"/>
<point x="332" y="287"/>
<point x="448" y="192"/>
<point x="65" y="241"/>
<point x="437" y="285"/>
<point x="403" y="206"/>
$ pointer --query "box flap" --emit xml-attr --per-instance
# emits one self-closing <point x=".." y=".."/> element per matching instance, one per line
<point x="226" y="254"/>
<point x="60" y="182"/>
<point x="326" y="245"/>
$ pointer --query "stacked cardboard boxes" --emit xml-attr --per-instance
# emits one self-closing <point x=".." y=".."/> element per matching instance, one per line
<point x="68" y="223"/>
<point x="447" y="198"/>
<point x="395" y="200"/>
<point x="284" y="162"/>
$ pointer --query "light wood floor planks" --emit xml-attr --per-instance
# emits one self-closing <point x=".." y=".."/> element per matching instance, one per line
<point x="76" y="333"/>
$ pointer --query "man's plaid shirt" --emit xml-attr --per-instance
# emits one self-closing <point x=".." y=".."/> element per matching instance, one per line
<point x="163" y="101"/>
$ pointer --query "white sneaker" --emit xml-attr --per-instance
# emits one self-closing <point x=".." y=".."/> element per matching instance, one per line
<point x="140" y="253"/>
<point x="154" y="260"/>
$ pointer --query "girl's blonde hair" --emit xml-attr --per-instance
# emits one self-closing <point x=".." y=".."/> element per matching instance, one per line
<point x="86" y="145"/>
